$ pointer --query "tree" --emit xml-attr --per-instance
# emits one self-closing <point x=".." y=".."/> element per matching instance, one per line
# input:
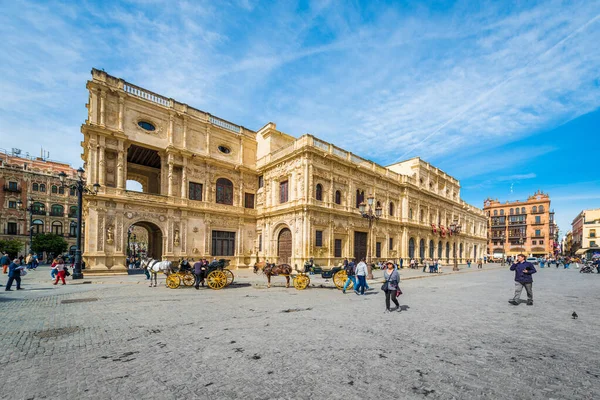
<point x="49" y="243"/>
<point x="12" y="246"/>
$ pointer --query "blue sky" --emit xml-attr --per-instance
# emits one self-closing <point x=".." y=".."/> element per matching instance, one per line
<point x="499" y="95"/>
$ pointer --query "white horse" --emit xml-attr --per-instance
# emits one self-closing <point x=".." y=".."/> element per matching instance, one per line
<point x="155" y="266"/>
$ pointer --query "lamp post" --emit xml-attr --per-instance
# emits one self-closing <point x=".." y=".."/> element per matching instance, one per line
<point x="30" y="209"/>
<point x="81" y="188"/>
<point x="455" y="229"/>
<point x="370" y="216"/>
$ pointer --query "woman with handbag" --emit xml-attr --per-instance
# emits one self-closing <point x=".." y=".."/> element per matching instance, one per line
<point x="391" y="286"/>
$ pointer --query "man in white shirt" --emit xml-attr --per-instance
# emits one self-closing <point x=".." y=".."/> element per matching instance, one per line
<point x="361" y="276"/>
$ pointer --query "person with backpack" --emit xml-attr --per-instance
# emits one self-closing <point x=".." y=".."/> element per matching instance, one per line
<point x="349" y="268"/>
<point x="5" y="261"/>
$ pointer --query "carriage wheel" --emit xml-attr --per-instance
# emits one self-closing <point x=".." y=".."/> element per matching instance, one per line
<point x="173" y="281"/>
<point x="230" y="277"/>
<point x="340" y="278"/>
<point x="189" y="279"/>
<point x="301" y="282"/>
<point x="216" y="280"/>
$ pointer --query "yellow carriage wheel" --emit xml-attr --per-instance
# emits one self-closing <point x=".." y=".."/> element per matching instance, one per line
<point x="216" y="280"/>
<point x="173" y="281"/>
<point x="339" y="279"/>
<point x="189" y="279"/>
<point x="301" y="282"/>
<point x="230" y="277"/>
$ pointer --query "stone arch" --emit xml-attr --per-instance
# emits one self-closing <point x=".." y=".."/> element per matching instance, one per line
<point x="141" y="179"/>
<point x="156" y="237"/>
<point x="411" y="248"/>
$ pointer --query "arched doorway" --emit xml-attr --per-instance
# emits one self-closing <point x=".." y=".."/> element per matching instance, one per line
<point x="284" y="246"/>
<point x="422" y="249"/>
<point x="144" y="239"/>
<point x="411" y="248"/>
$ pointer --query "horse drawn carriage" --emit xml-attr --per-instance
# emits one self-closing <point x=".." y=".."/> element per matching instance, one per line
<point x="301" y="280"/>
<point x="216" y="275"/>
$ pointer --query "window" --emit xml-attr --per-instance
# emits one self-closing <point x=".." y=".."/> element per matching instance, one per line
<point x="538" y="232"/>
<point x="538" y="219"/>
<point x="391" y="246"/>
<point x="54" y="189"/>
<point x="410" y="214"/>
<point x="440" y="249"/>
<point x="224" y="191"/>
<point x="283" y="192"/>
<point x="523" y="210"/>
<point x="517" y="211"/>
<point x="73" y="212"/>
<point x="38" y="209"/>
<point x="391" y="211"/>
<point x="224" y="149"/>
<point x="337" y="248"/>
<point x="541" y="209"/>
<point x="541" y="242"/>
<point x="319" y="192"/>
<point x="431" y="249"/>
<point x="35" y="187"/>
<point x="61" y="190"/>
<point x="57" y="210"/>
<point x="411" y="248"/>
<point x="501" y="212"/>
<point x="223" y="243"/>
<point x="512" y="211"/>
<point x="422" y="249"/>
<point x="260" y="242"/>
<point x="147" y="126"/>
<point x="73" y="229"/>
<point x="38" y="226"/>
<point x="11" y="228"/>
<point x="195" y="191"/>
<point x="249" y="200"/>
<point x="338" y="197"/>
<point x="592" y="233"/>
<point x="534" y="209"/>
<point x="378" y="249"/>
<point x="72" y="192"/>
<point x="534" y="242"/>
<point x="318" y="238"/>
<point x="12" y="204"/>
<point x="360" y="197"/>
<point x="592" y="243"/>
<point x="261" y="181"/>
<point x="12" y="186"/>
<point x="495" y="212"/>
<point x="43" y="188"/>
<point x="57" y="228"/>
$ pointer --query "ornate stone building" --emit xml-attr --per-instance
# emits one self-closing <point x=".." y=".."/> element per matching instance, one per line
<point x="586" y="228"/>
<point x="53" y="209"/>
<point x="521" y="227"/>
<point x="212" y="188"/>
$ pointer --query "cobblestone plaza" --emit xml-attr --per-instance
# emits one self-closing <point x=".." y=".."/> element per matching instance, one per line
<point x="456" y="337"/>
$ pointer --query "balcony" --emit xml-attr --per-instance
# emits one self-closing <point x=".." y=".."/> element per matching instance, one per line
<point x="538" y="223"/>
<point x="38" y="212"/>
<point x="12" y="189"/>
<point x="499" y="224"/>
<point x="517" y="222"/>
<point x="540" y="236"/>
<point x="72" y="215"/>
<point x="56" y="214"/>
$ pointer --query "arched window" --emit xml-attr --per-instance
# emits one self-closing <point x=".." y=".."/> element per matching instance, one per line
<point x="411" y="248"/>
<point x="72" y="192"/>
<point x="517" y="211"/>
<point x="541" y="208"/>
<point x="360" y="197"/>
<point x="431" y="249"/>
<point x="224" y="191"/>
<point x="495" y="212"/>
<point x="523" y="211"/>
<point x="61" y="190"/>
<point x="54" y="189"/>
<point x="448" y="252"/>
<point x="57" y="210"/>
<point x="73" y="212"/>
<point x="422" y="248"/>
<point x="391" y="211"/>
<point x="38" y="226"/>
<point x="338" y="197"/>
<point x="461" y="250"/>
<point x="501" y="212"/>
<point x="534" y="209"/>
<point x="43" y="188"/>
<point x="57" y="228"/>
<point x="38" y="208"/>
<point x="73" y="229"/>
<point x="35" y="187"/>
<point x="512" y="211"/>
<point x="439" y="250"/>
<point x="319" y="192"/>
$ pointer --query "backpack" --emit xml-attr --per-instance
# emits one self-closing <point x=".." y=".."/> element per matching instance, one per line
<point x="349" y="269"/>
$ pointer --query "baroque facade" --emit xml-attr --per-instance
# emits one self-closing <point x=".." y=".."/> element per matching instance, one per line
<point x="53" y="207"/>
<point x="211" y="188"/>
<point x="586" y="228"/>
<point x="526" y="227"/>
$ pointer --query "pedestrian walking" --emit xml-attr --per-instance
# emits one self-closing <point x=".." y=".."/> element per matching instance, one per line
<point x="61" y="272"/>
<point x="351" y="277"/>
<point x="35" y="262"/>
<point x="14" y="275"/>
<point x="361" y="276"/>
<point x="54" y="267"/>
<point x="5" y="261"/>
<point x="523" y="279"/>
<point x="479" y="264"/>
<point x="391" y="286"/>
<point x="401" y="262"/>
<point x="198" y="273"/>
<point x="425" y="264"/>
<point x="469" y="263"/>
<point x="412" y="263"/>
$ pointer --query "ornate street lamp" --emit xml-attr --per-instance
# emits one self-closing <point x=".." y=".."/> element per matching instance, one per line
<point x="29" y="208"/>
<point x="81" y="188"/>
<point x="370" y="216"/>
<point x="455" y="229"/>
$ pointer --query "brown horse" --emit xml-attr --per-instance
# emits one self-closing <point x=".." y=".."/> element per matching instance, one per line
<point x="274" y="270"/>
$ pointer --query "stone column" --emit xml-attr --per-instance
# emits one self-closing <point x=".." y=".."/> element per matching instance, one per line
<point x="170" y="175"/>
<point x="93" y="107"/>
<point x="184" y="183"/>
<point x="170" y="131"/>
<point x="120" y="170"/>
<point x="121" y="112"/>
<point x="101" y="165"/>
<point x="102" y="107"/>
<point x="185" y="126"/>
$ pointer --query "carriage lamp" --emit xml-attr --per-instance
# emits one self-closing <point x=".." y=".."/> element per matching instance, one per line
<point x="455" y="229"/>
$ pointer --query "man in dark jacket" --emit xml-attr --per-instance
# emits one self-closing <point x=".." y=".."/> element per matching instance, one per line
<point x="14" y="274"/>
<point x="523" y="279"/>
<point x="5" y="261"/>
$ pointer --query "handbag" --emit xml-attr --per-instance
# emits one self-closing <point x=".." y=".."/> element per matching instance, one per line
<point x="23" y="272"/>
<point x="67" y="273"/>
<point x="384" y="287"/>
<point x="398" y="292"/>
